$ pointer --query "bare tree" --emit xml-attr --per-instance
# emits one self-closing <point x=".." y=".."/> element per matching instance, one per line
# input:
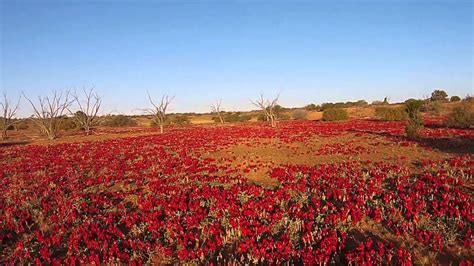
<point x="159" y="110"/>
<point x="89" y="107"/>
<point x="8" y="114"/>
<point x="268" y="108"/>
<point x="216" y="108"/>
<point x="49" y="112"/>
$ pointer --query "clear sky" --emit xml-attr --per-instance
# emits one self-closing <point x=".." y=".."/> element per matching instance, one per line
<point x="309" y="52"/>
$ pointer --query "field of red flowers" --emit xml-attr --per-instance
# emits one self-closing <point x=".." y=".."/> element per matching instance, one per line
<point x="340" y="193"/>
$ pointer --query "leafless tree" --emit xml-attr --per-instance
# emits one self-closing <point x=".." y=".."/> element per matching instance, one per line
<point x="158" y="111"/>
<point x="8" y="114"/>
<point x="89" y="108"/>
<point x="49" y="112"/>
<point x="216" y="108"/>
<point x="268" y="108"/>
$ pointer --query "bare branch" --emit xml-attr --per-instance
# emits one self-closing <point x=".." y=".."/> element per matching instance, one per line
<point x="216" y="108"/>
<point x="268" y="108"/>
<point x="88" y="111"/>
<point x="48" y="112"/>
<point x="159" y="110"/>
<point x="8" y="114"/>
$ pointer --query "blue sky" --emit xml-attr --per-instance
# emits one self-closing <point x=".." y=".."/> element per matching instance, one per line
<point x="309" y="52"/>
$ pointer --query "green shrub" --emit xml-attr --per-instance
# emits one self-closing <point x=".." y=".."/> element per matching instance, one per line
<point x="438" y="95"/>
<point x="455" y="99"/>
<point x="299" y="114"/>
<point x="22" y="124"/>
<point x="461" y="117"/>
<point x="312" y="107"/>
<point x="283" y="116"/>
<point x="391" y="114"/>
<point x="119" y="121"/>
<point x="334" y="114"/>
<point x="180" y="120"/>
<point x="235" y="117"/>
<point x="413" y="128"/>
<point x="415" y="123"/>
<point x="261" y="117"/>
<point x="67" y="123"/>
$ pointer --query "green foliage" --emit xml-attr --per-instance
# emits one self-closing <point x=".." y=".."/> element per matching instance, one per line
<point x="391" y="114"/>
<point x="461" y="117"/>
<point x="412" y="107"/>
<point x="261" y="117"/>
<point x="180" y="120"/>
<point x="335" y="114"/>
<point x="299" y="114"/>
<point x="455" y="99"/>
<point x="360" y="103"/>
<point x="119" y="121"/>
<point x="234" y="117"/>
<point x="66" y="123"/>
<point x="435" y="107"/>
<point x="283" y="116"/>
<point x="22" y="124"/>
<point x="415" y="123"/>
<point x="439" y="95"/>
<point x="312" y="107"/>
<point x="413" y="128"/>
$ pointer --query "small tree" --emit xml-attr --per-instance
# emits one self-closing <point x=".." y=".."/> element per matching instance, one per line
<point x="439" y="95"/>
<point x="8" y="114"/>
<point x="334" y="114"/>
<point x="455" y="99"/>
<point x="268" y="107"/>
<point x="461" y="117"/>
<point x="89" y="107"/>
<point x="216" y="108"/>
<point x="312" y="107"/>
<point x="415" y="123"/>
<point x="159" y="110"/>
<point x="300" y="114"/>
<point x="48" y="112"/>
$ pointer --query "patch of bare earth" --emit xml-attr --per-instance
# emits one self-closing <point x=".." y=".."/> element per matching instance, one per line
<point x="261" y="155"/>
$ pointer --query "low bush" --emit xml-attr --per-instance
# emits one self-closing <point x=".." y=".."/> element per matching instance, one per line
<point x="234" y="117"/>
<point x="67" y="123"/>
<point x="461" y="117"/>
<point x="455" y="99"/>
<point x="119" y="121"/>
<point x="299" y="114"/>
<point x="312" y="107"/>
<point x="415" y="123"/>
<point x="180" y="120"/>
<point x="391" y="114"/>
<point x="22" y="124"/>
<point x="261" y="117"/>
<point x="335" y="114"/>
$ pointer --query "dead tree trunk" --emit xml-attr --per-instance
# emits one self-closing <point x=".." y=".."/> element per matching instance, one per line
<point x="216" y="108"/>
<point x="268" y="108"/>
<point x="48" y="113"/>
<point x="159" y="111"/>
<point x="88" y="111"/>
<point x="8" y="114"/>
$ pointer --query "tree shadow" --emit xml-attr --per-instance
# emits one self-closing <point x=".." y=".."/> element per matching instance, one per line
<point x="7" y="143"/>
<point x="459" y="145"/>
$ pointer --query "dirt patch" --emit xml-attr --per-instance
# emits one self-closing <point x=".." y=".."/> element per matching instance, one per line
<point x="264" y="154"/>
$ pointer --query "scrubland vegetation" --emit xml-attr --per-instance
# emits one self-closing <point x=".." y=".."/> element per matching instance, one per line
<point x="337" y="183"/>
